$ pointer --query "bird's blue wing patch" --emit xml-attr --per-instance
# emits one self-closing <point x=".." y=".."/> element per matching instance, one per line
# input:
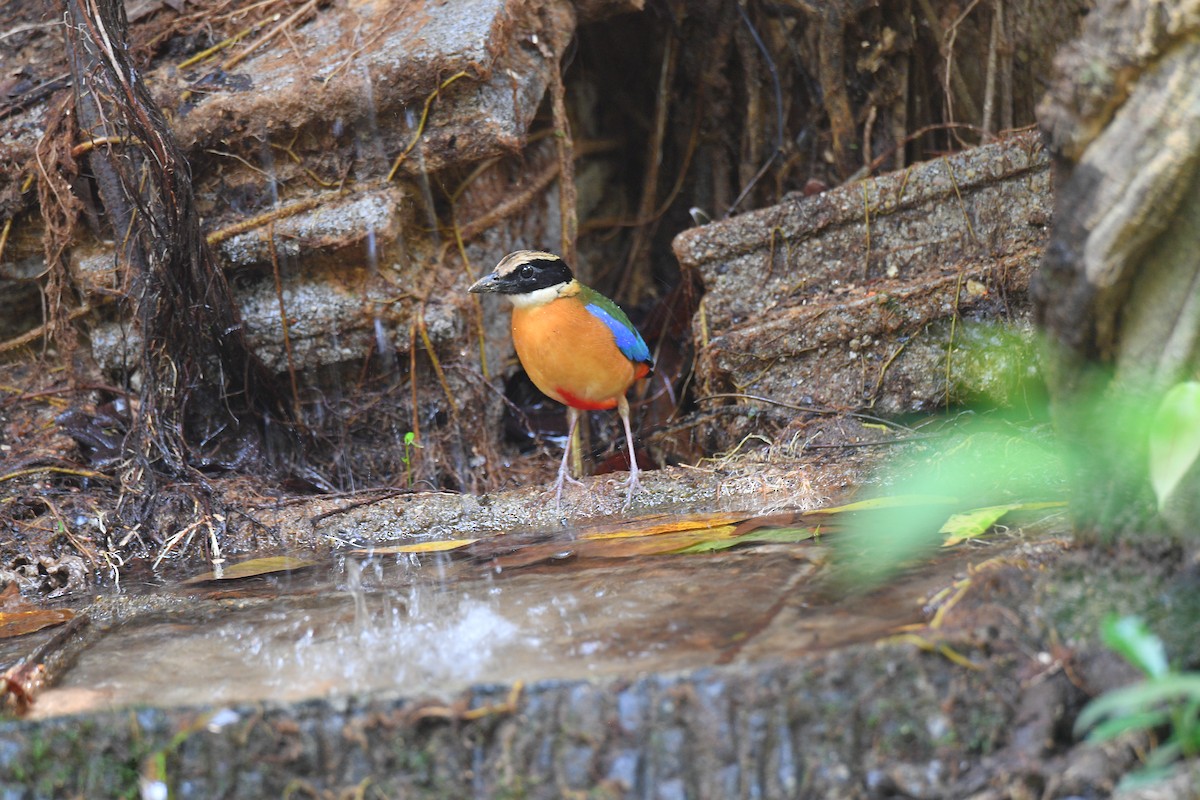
<point x="629" y="341"/>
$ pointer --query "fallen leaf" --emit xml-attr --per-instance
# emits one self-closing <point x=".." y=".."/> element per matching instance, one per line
<point x="433" y="546"/>
<point x="702" y="522"/>
<point x="654" y="544"/>
<point x="976" y="522"/>
<point x="609" y="547"/>
<point x="11" y="597"/>
<point x="892" y="501"/>
<point x="771" y="536"/>
<point x="252" y="569"/>
<point x="782" y="519"/>
<point x="18" y="623"/>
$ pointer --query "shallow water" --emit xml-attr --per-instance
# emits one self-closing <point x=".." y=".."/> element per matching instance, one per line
<point x="432" y="625"/>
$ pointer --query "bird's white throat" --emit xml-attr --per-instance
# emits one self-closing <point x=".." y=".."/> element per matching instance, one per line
<point x="538" y="297"/>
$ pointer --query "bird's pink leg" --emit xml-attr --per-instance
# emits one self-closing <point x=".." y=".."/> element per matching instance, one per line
<point x="563" y="473"/>
<point x="634" y="484"/>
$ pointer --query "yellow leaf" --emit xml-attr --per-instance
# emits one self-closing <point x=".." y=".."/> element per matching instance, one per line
<point x="252" y="568"/>
<point x="432" y="546"/>
<point x="897" y="501"/>
<point x="700" y="522"/>
<point x="653" y="544"/>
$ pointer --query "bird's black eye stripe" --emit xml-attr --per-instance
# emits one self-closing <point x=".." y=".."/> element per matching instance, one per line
<point x="539" y="273"/>
<point x="553" y="265"/>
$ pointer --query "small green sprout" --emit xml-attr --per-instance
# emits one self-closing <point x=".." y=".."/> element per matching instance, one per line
<point x="410" y="442"/>
<point x="1167" y="700"/>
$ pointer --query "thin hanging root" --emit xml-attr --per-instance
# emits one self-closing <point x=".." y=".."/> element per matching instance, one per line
<point x="218" y="47"/>
<point x="412" y="379"/>
<point x="640" y="240"/>
<point x="684" y="166"/>
<point x="283" y="212"/>
<point x="941" y="648"/>
<point x="421" y="125"/>
<point x="31" y="336"/>
<point x="8" y="223"/>
<point x="187" y="531"/>
<point x="831" y="75"/>
<point x="566" y="158"/>
<point x="989" y="83"/>
<point x="953" y="330"/>
<point x="954" y="87"/>
<point x="517" y="201"/>
<point x="75" y="541"/>
<point x="962" y="206"/>
<point x="912" y="137"/>
<point x="4" y="237"/>
<point x="437" y="364"/>
<point x="867" y="227"/>
<point x="530" y="191"/>
<point x="283" y="319"/>
<point x="958" y="286"/>
<point x="883" y="370"/>
<point x="277" y="30"/>
<point x="313" y="176"/>
<point x="476" y="306"/>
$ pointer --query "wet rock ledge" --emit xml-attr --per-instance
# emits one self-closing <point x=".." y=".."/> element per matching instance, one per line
<point x="983" y="712"/>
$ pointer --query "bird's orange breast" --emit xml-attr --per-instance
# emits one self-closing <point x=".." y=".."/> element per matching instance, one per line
<point x="572" y="356"/>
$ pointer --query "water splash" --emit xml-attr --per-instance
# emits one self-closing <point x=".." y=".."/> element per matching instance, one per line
<point x="451" y="644"/>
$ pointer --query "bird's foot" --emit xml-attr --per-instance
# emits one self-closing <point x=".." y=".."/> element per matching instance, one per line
<point x="563" y="478"/>
<point x="632" y="487"/>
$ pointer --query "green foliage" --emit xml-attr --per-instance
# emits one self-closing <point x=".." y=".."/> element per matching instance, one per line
<point x="983" y="466"/>
<point x="1118" y="446"/>
<point x="1116" y="443"/>
<point x="1130" y="637"/>
<point x="1165" y="700"/>
<point x="978" y="521"/>
<point x="1174" y="438"/>
<point x="410" y="441"/>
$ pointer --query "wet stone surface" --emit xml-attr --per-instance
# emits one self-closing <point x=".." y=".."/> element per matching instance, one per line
<point x="434" y="629"/>
<point x="741" y="673"/>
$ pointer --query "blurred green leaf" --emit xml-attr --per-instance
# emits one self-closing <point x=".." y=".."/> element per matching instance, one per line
<point x="1144" y="777"/>
<point x="1138" y="697"/>
<point x="1136" y="721"/>
<point x="1174" y="438"/>
<point x="1130" y="637"/>
<point x="982" y="468"/>
<point x="1166" y="699"/>
<point x="1160" y="758"/>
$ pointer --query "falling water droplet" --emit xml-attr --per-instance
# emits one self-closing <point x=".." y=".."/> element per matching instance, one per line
<point x="355" y="588"/>
<point x="422" y="178"/>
